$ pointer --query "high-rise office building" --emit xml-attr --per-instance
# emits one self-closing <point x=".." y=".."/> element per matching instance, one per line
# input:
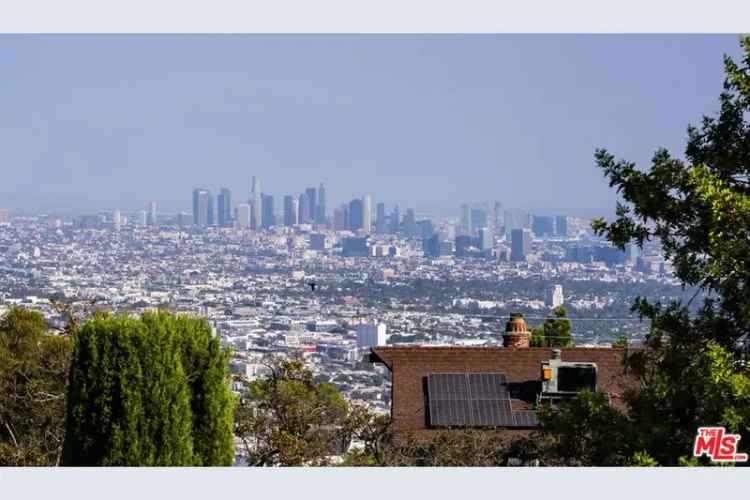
<point x="395" y="220"/>
<point x="303" y="215"/>
<point x="516" y="219"/>
<point x="242" y="215"/>
<point x="380" y="225"/>
<point x="496" y="219"/>
<point x="203" y="208"/>
<point x="520" y="244"/>
<point x="425" y="228"/>
<point x="291" y="209"/>
<point x="431" y="246"/>
<point x="151" y="210"/>
<point x="339" y="222"/>
<point x="116" y="219"/>
<point x="356" y="214"/>
<point x="184" y="219"/>
<point x="478" y="219"/>
<point x="367" y="214"/>
<point x="256" y="216"/>
<point x="410" y="222"/>
<point x="543" y="225"/>
<point x="465" y="225"/>
<point x="561" y="226"/>
<point x="312" y="204"/>
<point x="320" y="208"/>
<point x="4" y="216"/>
<point x="268" y="216"/>
<point x="224" y="207"/>
<point x="486" y="238"/>
<point x="463" y="243"/>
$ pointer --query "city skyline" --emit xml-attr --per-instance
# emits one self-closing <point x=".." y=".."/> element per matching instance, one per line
<point x="105" y="122"/>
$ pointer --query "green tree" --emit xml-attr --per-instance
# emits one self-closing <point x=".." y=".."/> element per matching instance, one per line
<point x="33" y="378"/>
<point x="557" y="329"/>
<point x="691" y="373"/>
<point x="289" y="419"/>
<point x="212" y="403"/>
<point x="145" y="392"/>
<point x="554" y="332"/>
<point x="538" y="339"/>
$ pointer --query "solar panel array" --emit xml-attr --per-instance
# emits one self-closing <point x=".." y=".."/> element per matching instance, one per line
<point x="473" y="400"/>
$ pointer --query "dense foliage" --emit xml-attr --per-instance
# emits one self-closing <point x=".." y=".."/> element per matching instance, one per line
<point x="691" y="372"/>
<point x="148" y="391"/>
<point x="33" y="376"/>
<point x="290" y="419"/>
<point x="554" y="332"/>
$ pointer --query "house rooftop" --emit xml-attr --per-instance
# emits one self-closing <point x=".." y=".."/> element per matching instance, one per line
<point x="414" y="370"/>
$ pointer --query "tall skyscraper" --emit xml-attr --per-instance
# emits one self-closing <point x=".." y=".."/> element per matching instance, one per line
<point x="367" y="214"/>
<point x="356" y="214"/>
<point x="116" y="219"/>
<point x="478" y="219"/>
<point x="464" y="242"/>
<point x="151" y="210"/>
<point x="380" y="224"/>
<point x="312" y="202"/>
<point x="268" y="217"/>
<point x="320" y="209"/>
<point x="290" y="210"/>
<point x="256" y="216"/>
<point x="543" y="225"/>
<point x="203" y="208"/>
<point x="395" y="220"/>
<point x="303" y="216"/>
<point x="410" y="222"/>
<point x="431" y="246"/>
<point x="520" y="244"/>
<point x="561" y="226"/>
<point x="465" y="225"/>
<point x="242" y="215"/>
<point x="4" y="216"/>
<point x="495" y="221"/>
<point x="339" y="222"/>
<point x="486" y="238"/>
<point x="516" y="219"/>
<point x="224" y="204"/>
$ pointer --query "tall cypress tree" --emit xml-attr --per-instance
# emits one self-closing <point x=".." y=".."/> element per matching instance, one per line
<point x="138" y="393"/>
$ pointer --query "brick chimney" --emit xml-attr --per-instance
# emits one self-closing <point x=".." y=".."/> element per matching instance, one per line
<point x="517" y="333"/>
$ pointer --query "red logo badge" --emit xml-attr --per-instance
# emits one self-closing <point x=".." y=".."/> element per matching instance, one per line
<point x="718" y="445"/>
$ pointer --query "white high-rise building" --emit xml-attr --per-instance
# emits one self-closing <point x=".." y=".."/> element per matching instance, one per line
<point x="370" y="335"/>
<point x="366" y="214"/>
<point x="256" y="214"/>
<point x="242" y="215"/>
<point x="554" y="297"/>
<point x="116" y="219"/>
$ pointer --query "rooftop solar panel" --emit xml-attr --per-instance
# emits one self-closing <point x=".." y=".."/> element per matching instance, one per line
<point x="525" y="418"/>
<point x="488" y="386"/>
<point x="469" y="399"/>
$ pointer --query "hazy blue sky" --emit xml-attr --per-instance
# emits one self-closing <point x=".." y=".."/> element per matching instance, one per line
<point x="96" y="122"/>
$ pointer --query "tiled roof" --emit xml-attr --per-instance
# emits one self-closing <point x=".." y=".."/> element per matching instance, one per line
<point x="410" y="365"/>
